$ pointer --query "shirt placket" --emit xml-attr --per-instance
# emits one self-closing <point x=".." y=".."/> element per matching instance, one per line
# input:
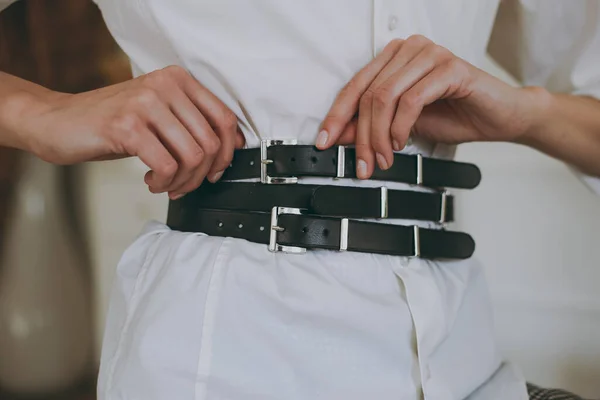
<point x="391" y="20"/>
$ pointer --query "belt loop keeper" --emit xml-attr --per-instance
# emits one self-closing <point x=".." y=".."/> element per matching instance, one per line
<point x="344" y="234"/>
<point x="384" y="202"/>
<point x="341" y="162"/>
<point x="443" y="207"/>
<point x="417" y="241"/>
<point x="419" y="169"/>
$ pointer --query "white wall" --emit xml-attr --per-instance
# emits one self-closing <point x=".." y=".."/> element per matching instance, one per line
<point x="537" y="230"/>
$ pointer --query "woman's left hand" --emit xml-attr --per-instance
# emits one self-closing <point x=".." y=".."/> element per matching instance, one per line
<point x="416" y="86"/>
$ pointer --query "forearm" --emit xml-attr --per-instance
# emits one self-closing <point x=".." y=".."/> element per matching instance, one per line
<point x="566" y="127"/>
<point x="18" y="98"/>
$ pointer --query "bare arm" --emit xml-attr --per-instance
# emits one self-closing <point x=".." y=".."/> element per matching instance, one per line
<point x="17" y="97"/>
<point x="566" y="127"/>
<point x="167" y="119"/>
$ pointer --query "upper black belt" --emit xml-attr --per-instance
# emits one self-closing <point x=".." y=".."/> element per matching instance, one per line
<point x="276" y="161"/>
<point x="326" y="200"/>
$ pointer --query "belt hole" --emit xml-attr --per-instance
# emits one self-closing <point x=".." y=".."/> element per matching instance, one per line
<point x="325" y="232"/>
<point x="220" y="224"/>
<point x="334" y="161"/>
<point x="293" y="159"/>
<point x="314" y="159"/>
<point x="262" y="228"/>
<point x="305" y="229"/>
<point x="240" y="225"/>
<point x="251" y="162"/>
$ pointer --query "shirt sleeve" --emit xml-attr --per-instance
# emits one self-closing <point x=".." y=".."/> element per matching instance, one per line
<point x="551" y="43"/>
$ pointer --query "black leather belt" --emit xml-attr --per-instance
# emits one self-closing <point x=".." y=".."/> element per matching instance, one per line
<point x="325" y="200"/>
<point x="288" y="230"/>
<point x="279" y="161"/>
<point x="293" y="218"/>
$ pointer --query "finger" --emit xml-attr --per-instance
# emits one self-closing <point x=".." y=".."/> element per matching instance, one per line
<point x="347" y="102"/>
<point x="364" y="152"/>
<point x="407" y="52"/>
<point x="385" y="101"/>
<point x="441" y="83"/>
<point x="348" y="136"/>
<point x="155" y="156"/>
<point x="219" y="116"/>
<point x="240" y="140"/>
<point x="227" y="131"/>
<point x="181" y="144"/>
<point x="201" y="131"/>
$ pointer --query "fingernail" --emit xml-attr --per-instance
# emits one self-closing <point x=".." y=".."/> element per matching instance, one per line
<point x="396" y="146"/>
<point x="322" y="138"/>
<point x="216" y="176"/>
<point x="382" y="162"/>
<point x="176" y="196"/>
<point x="362" y="169"/>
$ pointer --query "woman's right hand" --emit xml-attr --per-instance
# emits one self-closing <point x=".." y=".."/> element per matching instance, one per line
<point x="178" y="128"/>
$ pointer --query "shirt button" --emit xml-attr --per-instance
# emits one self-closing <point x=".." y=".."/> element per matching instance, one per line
<point x="392" y="23"/>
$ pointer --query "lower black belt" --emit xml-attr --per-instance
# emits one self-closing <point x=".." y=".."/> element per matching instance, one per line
<point x="325" y="200"/>
<point x="288" y="230"/>
<point x="278" y="162"/>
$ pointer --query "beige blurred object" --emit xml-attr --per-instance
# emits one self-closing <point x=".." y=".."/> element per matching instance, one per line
<point x="45" y="338"/>
<point x="116" y="205"/>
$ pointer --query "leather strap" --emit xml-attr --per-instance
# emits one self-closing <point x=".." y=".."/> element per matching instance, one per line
<point x="294" y="233"/>
<point x="304" y="160"/>
<point x="340" y="201"/>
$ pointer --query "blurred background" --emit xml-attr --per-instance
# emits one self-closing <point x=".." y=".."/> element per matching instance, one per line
<point x="63" y="230"/>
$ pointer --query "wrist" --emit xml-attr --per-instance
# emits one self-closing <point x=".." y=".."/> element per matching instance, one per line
<point x="536" y="105"/>
<point x="20" y="114"/>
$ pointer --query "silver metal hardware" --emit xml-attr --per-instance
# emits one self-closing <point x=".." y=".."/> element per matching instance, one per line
<point x="273" y="245"/>
<point x="341" y="162"/>
<point x="419" y="169"/>
<point x="265" y="161"/>
<point x="443" y="207"/>
<point x="417" y="240"/>
<point x="384" y="202"/>
<point x="344" y="235"/>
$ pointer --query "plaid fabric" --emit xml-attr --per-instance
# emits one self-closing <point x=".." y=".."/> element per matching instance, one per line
<point x="537" y="393"/>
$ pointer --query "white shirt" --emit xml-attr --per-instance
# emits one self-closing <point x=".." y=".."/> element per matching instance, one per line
<point x="278" y="64"/>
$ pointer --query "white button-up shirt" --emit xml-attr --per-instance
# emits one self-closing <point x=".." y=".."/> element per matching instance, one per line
<point x="397" y="328"/>
<point x="279" y="64"/>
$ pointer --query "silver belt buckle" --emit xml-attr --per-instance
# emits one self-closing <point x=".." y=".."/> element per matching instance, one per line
<point x="275" y="247"/>
<point x="265" y="161"/>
